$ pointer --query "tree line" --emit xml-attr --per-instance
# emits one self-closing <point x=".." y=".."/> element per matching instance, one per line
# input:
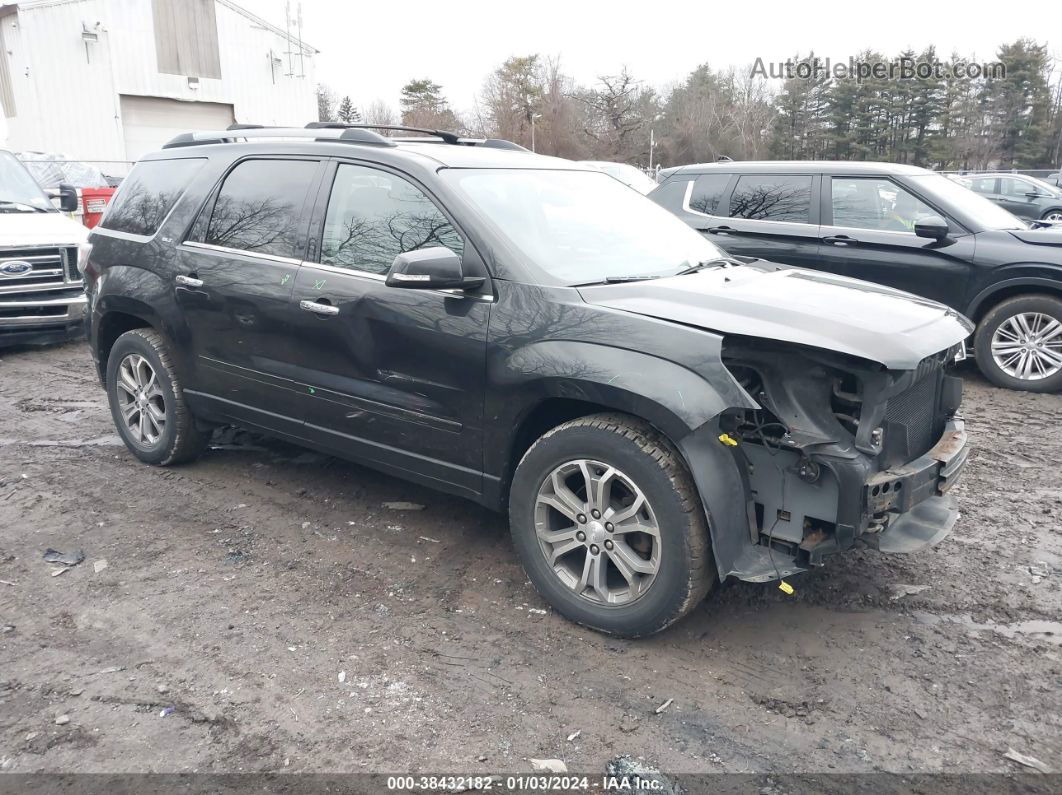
<point x="935" y="120"/>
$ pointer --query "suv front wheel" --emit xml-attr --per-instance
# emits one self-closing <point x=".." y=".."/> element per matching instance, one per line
<point x="147" y="401"/>
<point x="1019" y="343"/>
<point x="609" y="527"/>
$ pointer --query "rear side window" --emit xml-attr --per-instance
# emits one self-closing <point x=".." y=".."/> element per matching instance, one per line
<point x="707" y="192"/>
<point x="259" y="207"/>
<point x="764" y="197"/>
<point x="148" y="194"/>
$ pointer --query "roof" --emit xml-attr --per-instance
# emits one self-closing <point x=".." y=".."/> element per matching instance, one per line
<point x="801" y="167"/>
<point x="457" y="156"/>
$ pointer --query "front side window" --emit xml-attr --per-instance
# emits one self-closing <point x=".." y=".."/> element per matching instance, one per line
<point x="772" y="198"/>
<point x="148" y="194"/>
<point x="1017" y="188"/>
<point x="707" y="192"/>
<point x="19" y="193"/>
<point x="259" y="206"/>
<point x="874" y="203"/>
<point x="373" y="216"/>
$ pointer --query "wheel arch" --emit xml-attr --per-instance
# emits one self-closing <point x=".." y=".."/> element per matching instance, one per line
<point x="995" y="294"/>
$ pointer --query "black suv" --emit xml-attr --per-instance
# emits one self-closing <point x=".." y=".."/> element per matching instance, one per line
<point x="901" y="226"/>
<point x="532" y="335"/>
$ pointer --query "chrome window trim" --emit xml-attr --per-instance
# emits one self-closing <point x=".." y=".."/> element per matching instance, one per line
<point x="689" y="194"/>
<point x="320" y="266"/>
<point x="241" y="252"/>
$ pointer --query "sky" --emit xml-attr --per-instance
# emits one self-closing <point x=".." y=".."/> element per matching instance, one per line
<point x="369" y="50"/>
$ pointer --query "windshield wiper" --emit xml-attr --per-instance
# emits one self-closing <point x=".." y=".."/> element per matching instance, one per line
<point x="616" y="280"/>
<point x="33" y="207"/>
<point x="720" y="262"/>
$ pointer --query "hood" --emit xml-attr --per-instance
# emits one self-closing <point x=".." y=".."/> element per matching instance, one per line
<point x="1048" y="236"/>
<point x="822" y="310"/>
<point x="39" y="229"/>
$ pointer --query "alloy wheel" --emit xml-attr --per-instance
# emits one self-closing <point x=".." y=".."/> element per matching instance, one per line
<point x="598" y="532"/>
<point x="140" y="400"/>
<point x="1028" y="346"/>
<point x="1053" y="216"/>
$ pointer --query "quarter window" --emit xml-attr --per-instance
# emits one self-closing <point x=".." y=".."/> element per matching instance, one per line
<point x="707" y="192"/>
<point x="259" y="207"/>
<point x="869" y="203"/>
<point x="374" y="216"/>
<point x="148" y="194"/>
<point x="772" y="198"/>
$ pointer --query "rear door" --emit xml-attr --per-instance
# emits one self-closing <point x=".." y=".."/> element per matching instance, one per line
<point x="391" y="376"/>
<point x="868" y="233"/>
<point x="236" y="272"/>
<point x="770" y="216"/>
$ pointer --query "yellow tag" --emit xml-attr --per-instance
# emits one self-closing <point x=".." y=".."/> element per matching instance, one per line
<point x="785" y="588"/>
<point x="728" y="440"/>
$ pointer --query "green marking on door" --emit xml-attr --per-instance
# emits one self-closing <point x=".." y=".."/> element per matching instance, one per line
<point x="312" y="390"/>
<point x="318" y="284"/>
<point x="286" y="279"/>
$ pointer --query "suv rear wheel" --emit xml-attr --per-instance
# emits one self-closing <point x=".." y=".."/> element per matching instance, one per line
<point x="608" y="525"/>
<point x="147" y="402"/>
<point x="1019" y="343"/>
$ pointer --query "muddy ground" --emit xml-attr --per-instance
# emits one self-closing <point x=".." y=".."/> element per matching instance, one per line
<point x="292" y="622"/>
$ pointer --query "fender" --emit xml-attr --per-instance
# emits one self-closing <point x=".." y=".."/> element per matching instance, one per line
<point x="138" y="292"/>
<point x="673" y="398"/>
<point x="1043" y="277"/>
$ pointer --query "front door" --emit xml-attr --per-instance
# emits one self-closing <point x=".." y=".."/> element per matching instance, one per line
<point x="236" y="272"/>
<point x="388" y="375"/>
<point x="872" y="237"/>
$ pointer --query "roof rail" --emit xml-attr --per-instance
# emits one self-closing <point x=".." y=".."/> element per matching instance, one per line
<point x="237" y="132"/>
<point x="335" y="131"/>
<point x="448" y="137"/>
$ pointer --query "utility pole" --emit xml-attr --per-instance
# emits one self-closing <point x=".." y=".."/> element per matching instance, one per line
<point x="533" y="117"/>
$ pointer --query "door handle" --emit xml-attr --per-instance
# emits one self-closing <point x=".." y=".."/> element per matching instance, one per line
<point x="839" y="240"/>
<point x="319" y="309"/>
<point x="719" y="230"/>
<point x="188" y="281"/>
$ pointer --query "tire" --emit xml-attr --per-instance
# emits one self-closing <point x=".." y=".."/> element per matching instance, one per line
<point x="644" y="461"/>
<point x="1052" y="215"/>
<point x="177" y="440"/>
<point x="1002" y="324"/>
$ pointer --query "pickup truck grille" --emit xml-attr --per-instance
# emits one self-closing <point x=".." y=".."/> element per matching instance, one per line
<point x="31" y="270"/>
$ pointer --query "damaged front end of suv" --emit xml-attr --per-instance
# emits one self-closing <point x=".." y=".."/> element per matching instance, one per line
<point x="847" y="424"/>
<point x="841" y="449"/>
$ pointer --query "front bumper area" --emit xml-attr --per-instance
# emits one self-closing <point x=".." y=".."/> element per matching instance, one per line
<point x="911" y="502"/>
<point x="25" y="320"/>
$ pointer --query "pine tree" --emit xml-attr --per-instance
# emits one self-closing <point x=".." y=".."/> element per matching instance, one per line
<point x="347" y="113"/>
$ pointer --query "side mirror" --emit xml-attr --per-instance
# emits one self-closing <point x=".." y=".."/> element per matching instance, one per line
<point x="435" y="268"/>
<point x="931" y="226"/>
<point x="67" y="198"/>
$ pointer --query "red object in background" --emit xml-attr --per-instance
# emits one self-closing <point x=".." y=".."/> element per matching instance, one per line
<point x="94" y="202"/>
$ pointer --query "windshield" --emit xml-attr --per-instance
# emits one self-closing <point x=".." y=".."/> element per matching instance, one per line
<point x="627" y="174"/>
<point x="579" y="227"/>
<point x="983" y="212"/>
<point x="18" y="192"/>
<point x="1045" y="187"/>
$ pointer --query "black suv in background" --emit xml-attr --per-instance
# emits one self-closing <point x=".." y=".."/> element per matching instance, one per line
<point x="533" y="335"/>
<point x="901" y="226"/>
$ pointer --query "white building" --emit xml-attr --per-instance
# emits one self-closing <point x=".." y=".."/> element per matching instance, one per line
<point x="109" y="80"/>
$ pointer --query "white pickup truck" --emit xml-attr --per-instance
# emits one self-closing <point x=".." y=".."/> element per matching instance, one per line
<point x="41" y="294"/>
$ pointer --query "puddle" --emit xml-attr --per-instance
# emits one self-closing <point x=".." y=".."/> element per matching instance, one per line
<point x="1050" y="631"/>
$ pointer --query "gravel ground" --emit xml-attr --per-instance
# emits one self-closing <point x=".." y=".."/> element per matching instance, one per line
<point x="263" y="610"/>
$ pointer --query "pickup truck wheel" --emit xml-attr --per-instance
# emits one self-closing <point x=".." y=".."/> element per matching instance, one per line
<point x="608" y="525"/>
<point x="1019" y="343"/>
<point x="147" y="402"/>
